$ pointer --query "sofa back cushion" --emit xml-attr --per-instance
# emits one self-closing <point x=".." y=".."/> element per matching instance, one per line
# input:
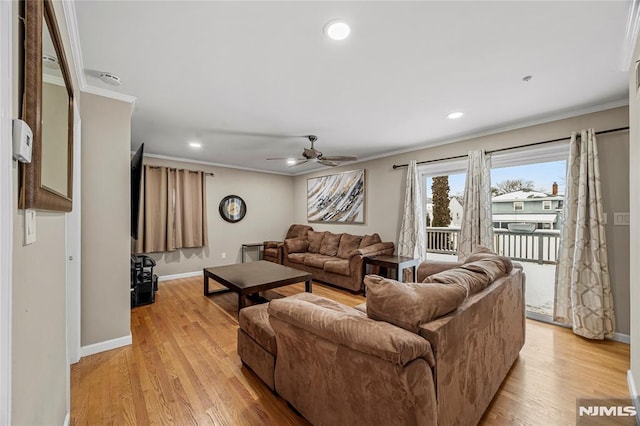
<point x="296" y="231"/>
<point x="315" y="241"/>
<point x="408" y="305"/>
<point x="348" y="244"/>
<point x="297" y="245"/>
<point x="330" y="243"/>
<point x="369" y="240"/>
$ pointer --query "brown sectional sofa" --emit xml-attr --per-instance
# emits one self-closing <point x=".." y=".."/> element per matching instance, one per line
<point x="334" y="258"/>
<point x="336" y="365"/>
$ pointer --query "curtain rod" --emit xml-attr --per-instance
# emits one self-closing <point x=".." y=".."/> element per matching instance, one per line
<point x="175" y="168"/>
<point x="619" y="129"/>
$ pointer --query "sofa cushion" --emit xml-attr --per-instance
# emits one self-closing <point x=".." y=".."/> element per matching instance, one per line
<point x="315" y="241"/>
<point x="337" y="266"/>
<point x="348" y="244"/>
<point x="471" y="280"/>
<point x="297" y="245"/>
<point x="254" y="320"/>
<point x="369" y="240"/>
<point x="408" y="305"/>
<point x="297" y="257"/>
<point x="482" y="253"/>
<point x="317" y="260"/>
<point x="330" y="244"/>
<point x="296" y="231"/>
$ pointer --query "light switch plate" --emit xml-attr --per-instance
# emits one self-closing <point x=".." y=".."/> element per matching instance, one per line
<point x="29" y="226"/>
<point x="621" y="219"/>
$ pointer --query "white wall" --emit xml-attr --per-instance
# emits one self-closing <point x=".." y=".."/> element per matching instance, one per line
<point x="269" y="198"/>
<point x="106" y="141"/>
<point x="634" y="199"/>
<point x="385" y="186"/>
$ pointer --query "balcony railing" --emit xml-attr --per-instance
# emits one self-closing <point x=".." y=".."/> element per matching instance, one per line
<point x="540" y="246"/>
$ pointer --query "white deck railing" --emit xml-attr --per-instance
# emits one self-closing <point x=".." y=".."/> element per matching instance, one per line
<point x="540" y="246"/>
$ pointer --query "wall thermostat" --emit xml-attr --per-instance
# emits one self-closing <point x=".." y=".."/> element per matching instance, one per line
<point x="22" y="141"/>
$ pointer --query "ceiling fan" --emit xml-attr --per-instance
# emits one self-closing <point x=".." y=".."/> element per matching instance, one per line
<point x="312" y="154"/>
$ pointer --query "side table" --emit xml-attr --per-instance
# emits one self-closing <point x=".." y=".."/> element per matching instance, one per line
<point x="246" y="246"/>
<point x="397" y="263"/>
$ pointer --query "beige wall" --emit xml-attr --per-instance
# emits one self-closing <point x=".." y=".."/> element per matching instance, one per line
<point x="269" y="198"/>
<point x="385" y="186"/>
<point x="39" y="365"/>
<point x="634" y="199"/>
<point x="106" y="141"/>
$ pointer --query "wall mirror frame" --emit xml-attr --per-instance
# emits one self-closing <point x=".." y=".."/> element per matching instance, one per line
<point x="36" y="192"/>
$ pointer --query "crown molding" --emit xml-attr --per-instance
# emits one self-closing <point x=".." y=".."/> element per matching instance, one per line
<point x="208" y="163"/>
<point x="631" y="35"/>
<point x="76" y="51"/>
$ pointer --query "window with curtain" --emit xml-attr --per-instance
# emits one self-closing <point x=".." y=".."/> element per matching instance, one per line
<point x="173" y="210"/>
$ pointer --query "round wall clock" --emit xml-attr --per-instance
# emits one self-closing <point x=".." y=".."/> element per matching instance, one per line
<point x="232" y="208"/>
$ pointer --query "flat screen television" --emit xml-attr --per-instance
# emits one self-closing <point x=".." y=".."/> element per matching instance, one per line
<point x="136" y="180"/>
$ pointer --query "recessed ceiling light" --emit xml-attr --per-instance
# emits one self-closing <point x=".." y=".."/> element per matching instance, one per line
<point x="337" y="30"/>
<point x="195" y="144"/>
<point x="455" y="115"/>
<point x="291" y="161"/>
<point x="110" y="79"/>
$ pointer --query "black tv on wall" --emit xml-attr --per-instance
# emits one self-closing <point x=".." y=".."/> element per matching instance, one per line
<point x="136" y="180"/>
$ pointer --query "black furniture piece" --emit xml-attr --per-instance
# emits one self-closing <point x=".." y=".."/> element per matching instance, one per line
<point x="144" y="283"/>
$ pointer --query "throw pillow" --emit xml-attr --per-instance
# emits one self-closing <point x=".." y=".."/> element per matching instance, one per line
<point x="315" y="240"/>
<point x="482" y="252"/>
<point x="330" y="243"/>
<point x="369" y="240"/>
<point x="408" y="305"/>
<point x="297" y="245"/>
<point x="348" y="244"/>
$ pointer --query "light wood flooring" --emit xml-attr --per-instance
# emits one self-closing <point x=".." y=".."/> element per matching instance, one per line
<point x="183" y="369"/>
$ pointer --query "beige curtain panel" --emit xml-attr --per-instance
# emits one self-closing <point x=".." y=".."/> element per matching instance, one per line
<point x="477" y="223"/>
<point x="583" y="291"/>
<point x="173" y="212"/>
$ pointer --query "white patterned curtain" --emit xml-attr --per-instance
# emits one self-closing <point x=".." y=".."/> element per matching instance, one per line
<point x="413" y="239"/>
<point x="583" y="296"/>
<point x="477" y="223"/>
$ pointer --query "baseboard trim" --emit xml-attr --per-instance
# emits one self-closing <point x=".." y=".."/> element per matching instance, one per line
<point x="67" y="419"/>
<point x="106" y="345"/>
<point x="633" y="392"/>
<point x="178" y="276"/>
<point x="617" y="337"/>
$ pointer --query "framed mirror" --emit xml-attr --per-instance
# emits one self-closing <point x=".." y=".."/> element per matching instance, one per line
<point x="47" y="106"/>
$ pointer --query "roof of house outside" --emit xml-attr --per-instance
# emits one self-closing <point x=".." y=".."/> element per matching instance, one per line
<point x="526" y="196"/>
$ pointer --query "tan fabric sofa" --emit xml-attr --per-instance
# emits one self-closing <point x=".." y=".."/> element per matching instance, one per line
<point x="334" y="258"/>
<point x="335" y="365"/>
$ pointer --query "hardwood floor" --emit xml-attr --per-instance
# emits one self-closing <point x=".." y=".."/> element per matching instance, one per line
<point x="183" y="369"/>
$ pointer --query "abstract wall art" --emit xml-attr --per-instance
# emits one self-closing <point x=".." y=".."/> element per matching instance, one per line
<point x="336" y="198"/>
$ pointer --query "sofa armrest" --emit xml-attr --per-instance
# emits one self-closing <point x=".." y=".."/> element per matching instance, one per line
<point x="375" y="249"/>
<point x="429" y="268"/>
<point x="348" y="327"/>
<point x="273" y="244"/>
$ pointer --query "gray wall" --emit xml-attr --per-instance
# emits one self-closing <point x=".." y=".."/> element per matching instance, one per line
<point x="269" y="198"/>
<point x="106" y="141"/>
<point x="39" y="364"/>
<point x="385" y="186"/>
<point x="634" y="199"/>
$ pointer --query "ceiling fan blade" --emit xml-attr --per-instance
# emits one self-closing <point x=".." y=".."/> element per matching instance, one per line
<point x="328" y="163"/>
<point x="285" y="158"/>
<point x="298" y="162"/>
<point x="339" y="158"/>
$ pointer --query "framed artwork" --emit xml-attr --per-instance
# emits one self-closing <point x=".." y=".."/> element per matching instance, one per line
<point x="336" y="198"/>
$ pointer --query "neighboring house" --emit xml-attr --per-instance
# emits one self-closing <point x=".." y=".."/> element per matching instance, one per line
<point x="543" y="209"/>
<point x="455" y="212"/>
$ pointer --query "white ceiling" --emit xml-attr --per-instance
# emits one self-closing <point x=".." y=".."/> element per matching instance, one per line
<point x="245" y="78"/>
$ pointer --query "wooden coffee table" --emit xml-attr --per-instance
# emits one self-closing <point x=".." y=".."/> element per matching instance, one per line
<point x="254" y="277"/>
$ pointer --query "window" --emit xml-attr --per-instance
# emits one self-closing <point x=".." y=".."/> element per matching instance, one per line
<point x="546" y="205"/>
<point x="518" y="206"/>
